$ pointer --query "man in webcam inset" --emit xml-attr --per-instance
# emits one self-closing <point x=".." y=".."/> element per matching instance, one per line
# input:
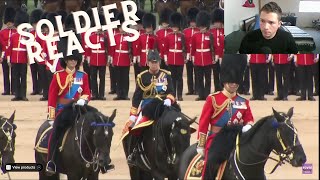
<point x="269" y="35"/>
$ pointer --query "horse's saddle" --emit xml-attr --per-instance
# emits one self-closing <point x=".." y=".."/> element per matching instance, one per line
<point x="43" y="142"/>
<point x="196" y="166"/>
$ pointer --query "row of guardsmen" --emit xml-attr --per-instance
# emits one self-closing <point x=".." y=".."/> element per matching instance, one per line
<point x="198" y="46"/>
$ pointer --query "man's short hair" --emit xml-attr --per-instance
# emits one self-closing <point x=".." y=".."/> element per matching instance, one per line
<point x="272" y="7"/>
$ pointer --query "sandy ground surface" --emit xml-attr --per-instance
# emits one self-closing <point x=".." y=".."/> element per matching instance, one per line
<point x="30" y="115"/>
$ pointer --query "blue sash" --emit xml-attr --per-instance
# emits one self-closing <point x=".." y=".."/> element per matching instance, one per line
<point x="226" y="116"/>
<point x="73" y="90"/>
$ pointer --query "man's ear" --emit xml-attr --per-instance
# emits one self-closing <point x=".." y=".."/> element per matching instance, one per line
<point x="280" y="23"/>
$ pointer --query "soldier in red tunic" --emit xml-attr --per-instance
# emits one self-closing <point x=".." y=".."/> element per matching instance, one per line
<point x="188" y="33"/>
<point x="16" y="54"/>
<point x="304" y="63"/>
<point x="281" y="64"/>
<point x="202" y="53"/>
<point x="222" y="108"/>
<point x="5" y="34"/>
<point x="35" y="67"/>
<point x="174" y="53"/>
<point x="146" y="41"/>
<point x="121" y="55"/>
<point x="258" y="67"/>
<point x="162" y="33"/>
<point x="140" y="29"/>
<point x="97" y="59"/>
<point x="217" y="30"/>
<point x="67" y="85"/>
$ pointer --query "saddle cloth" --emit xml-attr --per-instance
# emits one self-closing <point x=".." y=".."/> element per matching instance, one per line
<point x="195" y="168"/>
<point x="42" y="144"/>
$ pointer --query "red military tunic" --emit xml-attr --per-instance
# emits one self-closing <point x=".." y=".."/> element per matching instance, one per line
<point x="17" y="52"/>
<point x="258" y="58"/>
<point x="145" y="43"/>
<point x="280" y="58"/>
<point x="115" y="31"/>
<point x="218" y="41"/>
<point x="161" y="36"/>
<point x="219" y="110"/>
<point x="38" y="40"/>
<point x="305" y="59"/>
<point x="98" y="56"/>
<point x="173" y="49"/>
<point x="49" y="59"/>
<point x="201" y="49"/>
<point x="188" y="33"/>
<point x="5" y="35"/>
<point x="66" y="86"/>
<point x="135" y="44"/>
<point x="121" y="51"/>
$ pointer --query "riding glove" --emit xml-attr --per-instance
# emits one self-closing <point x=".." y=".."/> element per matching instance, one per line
<point x="200" y="150"/>
<point x="246" y="128"/>
<point x="81" y="102"/>
<point x="167" y="102"/>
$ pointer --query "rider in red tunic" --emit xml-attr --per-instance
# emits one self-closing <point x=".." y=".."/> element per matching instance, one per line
<point x="66" y="86"/>
<point x="225" y="107"/>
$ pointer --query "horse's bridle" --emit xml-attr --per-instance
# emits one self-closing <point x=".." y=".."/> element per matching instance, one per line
<point x="285" y="155"/>
<point x="94" y="153"/>
<point x="9" y="143"/>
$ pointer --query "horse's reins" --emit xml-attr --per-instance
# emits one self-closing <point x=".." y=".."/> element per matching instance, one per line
<point x="285" y="155"/>
<point x="9" y="142"/>
<point x="94" y="155"/>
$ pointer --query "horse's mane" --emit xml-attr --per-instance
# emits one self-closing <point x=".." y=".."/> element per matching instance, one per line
<point x="245" y="137"/>
<point x="154" y="109"/>
<point x="70" y="111"/>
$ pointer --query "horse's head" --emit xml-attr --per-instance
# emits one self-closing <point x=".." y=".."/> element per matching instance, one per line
<point x="176" y="129"/>
<point x="288" y="144"/>
<point x="7" y="140"/>
<point x="102" y="136"/>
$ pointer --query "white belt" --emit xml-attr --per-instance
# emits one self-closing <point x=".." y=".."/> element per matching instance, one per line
<point x="122" y="51"/>
<point x="19" y="49"/>
<point x="144" y="50"/>
<point x="175" y="50"/>
<point x="202" y="50"/>
<point x="98" y="51"/>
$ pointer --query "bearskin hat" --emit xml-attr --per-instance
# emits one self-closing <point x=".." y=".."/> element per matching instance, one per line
<point x="63" y="15"/>
<point x="232" y="68"/>
<point x="69" y="22"/>
<point x="9" y="14"/>
<point x="115" y="13"/>
<point x="203" y="19"/>
<point x="21" y="17"/>
<point x="192" y="14"/>
<point x="149" y="20"/>
<point x="63" y="47"/>
<point x="44" y="15"/>
<point x="176" y="20"/>
<point x="52" y="19"/>
<point x="120" y="17"/>
<point x="165" y="15"/>
<point x="217" y="15"/>
<point x="140" y="14"/>
<point x="35" y="16"/>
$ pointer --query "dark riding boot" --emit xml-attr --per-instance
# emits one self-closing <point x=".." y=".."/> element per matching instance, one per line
<point x="132" y="158"/>
<point x="51" y="166"/>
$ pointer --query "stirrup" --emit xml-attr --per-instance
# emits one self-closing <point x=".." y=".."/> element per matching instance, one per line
<point x="131" y="160"/>
<point x="50" y="168"/>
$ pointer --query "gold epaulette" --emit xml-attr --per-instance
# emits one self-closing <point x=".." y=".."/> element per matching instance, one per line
<point x="140" y="74"/>
<point x="218" y="108"/>
<point x="166" y="71"/>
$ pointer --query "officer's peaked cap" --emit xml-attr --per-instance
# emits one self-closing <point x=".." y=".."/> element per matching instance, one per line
<point x="153" y="55"/>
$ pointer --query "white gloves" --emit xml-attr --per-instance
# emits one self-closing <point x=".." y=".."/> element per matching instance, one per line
<point x="200" y="150"/>
<point x="246" y="128"/>
<point x="81" y="102"/>
<point x="133" y="118"/>
<point x="167" y="102"/>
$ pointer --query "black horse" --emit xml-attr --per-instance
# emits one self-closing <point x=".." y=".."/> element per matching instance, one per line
<point x="86" y="148"/>
<point x="247" y="159"/>
<point x="160" y="144"/>
<point x="7" y="141"/>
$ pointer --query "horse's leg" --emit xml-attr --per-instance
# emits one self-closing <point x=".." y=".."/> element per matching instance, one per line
<point x="151" y="4"/>
<point x="93" y="176"/>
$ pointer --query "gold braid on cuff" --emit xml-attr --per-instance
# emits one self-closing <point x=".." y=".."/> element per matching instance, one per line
<point x="202" y="140"/>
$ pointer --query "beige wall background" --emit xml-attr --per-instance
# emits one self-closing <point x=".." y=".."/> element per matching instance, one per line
<point x="235" y="13"/>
